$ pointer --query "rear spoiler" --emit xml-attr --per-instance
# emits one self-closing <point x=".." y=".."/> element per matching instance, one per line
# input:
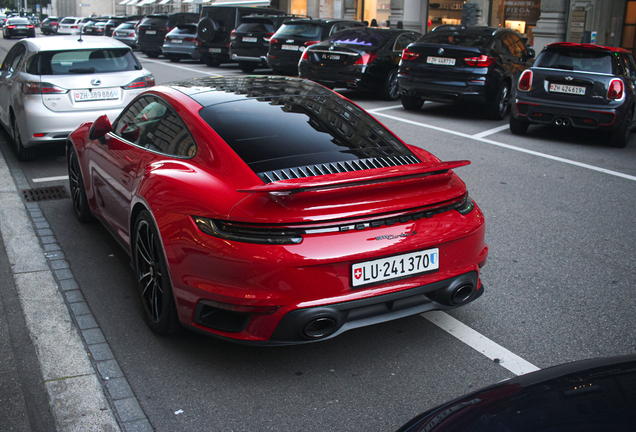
<point x="356" y="178"/>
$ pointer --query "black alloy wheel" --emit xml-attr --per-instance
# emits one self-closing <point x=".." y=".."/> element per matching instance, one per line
<point x="76" y="185"/>
<point x="152" y="277"/>
<point x="411" y="103"/>
<point x="23" y="153"/>
<point x="498" y="108"/>
<point x="391" y="89"/>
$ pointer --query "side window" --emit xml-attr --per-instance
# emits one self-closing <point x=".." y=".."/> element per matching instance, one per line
<point x="152" y="124"/>
<point x="13" y="57"/>
<point x="519" y="48"/>
<point x="335" y="29"/>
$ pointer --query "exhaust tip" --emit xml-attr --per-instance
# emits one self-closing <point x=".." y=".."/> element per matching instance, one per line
<point x="558" y="122"/>
<point x="462" y="294"/>
<point x="319" y="327"/>
<point x="566" y="122"/>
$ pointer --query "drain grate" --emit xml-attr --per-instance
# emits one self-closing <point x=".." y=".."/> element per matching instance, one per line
<point x="44" y="194"/>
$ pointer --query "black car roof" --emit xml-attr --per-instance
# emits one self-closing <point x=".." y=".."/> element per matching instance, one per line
<point x="480" y="30"/>
<point x="320" y="20"/>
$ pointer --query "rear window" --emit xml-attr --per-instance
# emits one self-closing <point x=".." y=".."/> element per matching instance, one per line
<point x="360" y="37"/>
<point x="253" y="25"/>
<point x="185" y="29"/>
<point x="68" y="21"/>
<point x="290" y="132"/>
<point x="454" y="38"/>
<point x="83" y="62"/>
<point x="576" y="60"/>
<point x="19" y="21"/>
<point x="155" y="21"/>
<point x="301" y="29"/>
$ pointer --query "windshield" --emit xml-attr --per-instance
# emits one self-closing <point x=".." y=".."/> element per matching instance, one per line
<point x="83" y="62"/>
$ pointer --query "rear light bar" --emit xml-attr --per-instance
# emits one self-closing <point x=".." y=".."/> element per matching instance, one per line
<point x="616" y="89"/>
<point x="481" y="61"/>
<point x="365" y="59"/>
<point x="140" y="82"/>
<point x="525" y="81"/>
<point x="409" y="55"/>
<point x="30" y="87"/>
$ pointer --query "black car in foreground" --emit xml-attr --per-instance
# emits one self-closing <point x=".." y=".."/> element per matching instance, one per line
<point x="153" y="29"/>
<point x="293" y="37"/>
<point x="473" y="64"/>
<point x="359" y="58"/>
<point x="583" y="396"/>
<point x="250" y="40"/>
<point x="580" y="86"/>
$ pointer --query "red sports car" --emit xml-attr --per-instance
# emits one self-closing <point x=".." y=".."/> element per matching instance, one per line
<point x="271" y="210"/>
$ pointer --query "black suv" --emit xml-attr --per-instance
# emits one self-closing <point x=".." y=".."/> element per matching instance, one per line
<point x="112" y="23"/>
<point x="293" y="37"/>
<point x="250" y="40"/>
<point x="215" y="28"/>
<point x="153" y="29"/>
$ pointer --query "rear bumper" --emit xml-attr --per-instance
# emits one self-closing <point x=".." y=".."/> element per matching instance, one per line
<point x="474" y="90"/>
<point x="565" y="114"/>
<point x="183" y="52"/>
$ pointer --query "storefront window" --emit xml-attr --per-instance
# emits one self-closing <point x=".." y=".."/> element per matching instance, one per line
<point x="299" y="7"/>
<point x="630" y="26"/>
<point x="378" y="10"/>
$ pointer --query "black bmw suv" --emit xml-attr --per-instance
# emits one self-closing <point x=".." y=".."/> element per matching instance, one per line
<point x="293" y="37"/>
<point x="153" y="29"/>
<point x="471" y="64"/>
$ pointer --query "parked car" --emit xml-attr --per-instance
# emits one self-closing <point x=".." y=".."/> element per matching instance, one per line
<point x="215" y="28"/>
<point x="293" y="37"/>
<point x="359" y="58"/>
<point x="182" y="43"/>
<point x="125" y="32"/>
<point x="20" y="27"/>
<point x="48" y="86"/>
<point x="152" y="30"/>
<point x="586" y="395"/>
<point x="579" y="86"/>
<point x="249" y="42"/>
<point x="68" y="26"/>
<point x="49" y="25"/>
<point x="468" y="64"/>
<point x="95" y="27"/>
<point x="114" y="22"/>
<point x="273" y="211"/>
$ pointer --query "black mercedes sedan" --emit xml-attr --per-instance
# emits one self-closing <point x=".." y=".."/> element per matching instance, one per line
<point x="360" y="58"/>
<point x="471" y="64"/>
<point x="580" y="86"/>
<point x="18" y="26"/>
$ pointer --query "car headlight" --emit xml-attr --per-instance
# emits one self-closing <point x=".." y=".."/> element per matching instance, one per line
<point x="247" y="234"/>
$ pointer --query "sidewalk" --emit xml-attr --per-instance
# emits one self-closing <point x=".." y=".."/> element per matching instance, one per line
<point x="47" y="381"/>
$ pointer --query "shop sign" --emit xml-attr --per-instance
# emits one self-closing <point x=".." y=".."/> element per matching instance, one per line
<point x="522" y="10"/>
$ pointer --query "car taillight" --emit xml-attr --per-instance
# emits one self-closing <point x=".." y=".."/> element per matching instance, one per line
<point x="189" y="39"/>
<point x="42" y="88"/>
<point x="409" y="55"/>
<point x="247" y="234"/>
<point x="73" y="26"/>
<point x="304" y="57"/>
<point x="268" y="37"/>
<point x="140" y="82"/>
<point x="233" y="35"/>
<point x="11" y="26"/>
<point x="29" y="26"/>
<point x="481" y="61"/>
<point x="310" y="43"/>
<point x="525" y="80"/>
<point x="166" y="29"/>
<point x="616" y="89"/>
<point x="131" y="34"/>
<point x="273" y="41"/>
<point x="365" y="59"/>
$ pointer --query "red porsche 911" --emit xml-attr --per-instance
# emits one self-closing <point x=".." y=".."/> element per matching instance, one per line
<point x="271" y="210"/>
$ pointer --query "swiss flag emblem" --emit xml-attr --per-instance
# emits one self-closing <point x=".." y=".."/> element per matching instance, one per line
<point x="357" y="273"/>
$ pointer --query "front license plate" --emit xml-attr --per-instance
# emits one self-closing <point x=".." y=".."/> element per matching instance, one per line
<point x="441" y="61"/>
<point x="96" y="94"/>
<point x="151" y="32"/>
<point x="289" y="47"/>
<point x="249" y="39"/>
<point x="214" y="50"/>
<point x="394" y="267"/>
<point x="331" y="57"/>
<point x="568" y="89"/>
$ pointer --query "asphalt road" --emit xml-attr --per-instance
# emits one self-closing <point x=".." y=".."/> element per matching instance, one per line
<point x="559" y="287"/>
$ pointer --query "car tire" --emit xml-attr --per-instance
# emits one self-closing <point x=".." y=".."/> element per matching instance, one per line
<point x="411" y="103"/>
<point x="212" y="61"/>
<point x="152" y="275"/>
<point x="391" y="90"/>
<point x="173" y="58"/>
<point x="498" y="108"/>
<point x="78" y="191"/>
<point x="620" y="136"/>
<point x="24" y="154"/>
<point x="517" y="126"/>
<point x="247" y="67"/>
<point x="153" y="54"/>
<point x="207" y="29"/>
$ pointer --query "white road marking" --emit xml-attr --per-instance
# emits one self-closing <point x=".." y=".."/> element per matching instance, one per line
<point x="49" y="179"/>
<point x="480" y="343"/>
<point x="491" y="131"/>
<point x="507" y="146"/>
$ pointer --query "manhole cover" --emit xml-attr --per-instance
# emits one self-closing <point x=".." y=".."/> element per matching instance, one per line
<point x="44" y="194"/>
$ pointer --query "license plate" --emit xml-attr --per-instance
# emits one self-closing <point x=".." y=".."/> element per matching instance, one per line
<point x="441" y="61"/>
<point x="120" y="34"/>
<point x="95" y="94"/>
<point x="214" y="50"/>
<point x="331" y="56"/>
<point x="394" y="267"/>
<point x="177" y="40"/>
<point x="289" y="47"/>
<point x="249" y="39"/>
<point x="151" y="32"/>
<point x="568" y="89"/>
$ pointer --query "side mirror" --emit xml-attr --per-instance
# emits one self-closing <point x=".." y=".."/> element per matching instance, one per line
<point x="531" y="53"/>
<point x="100" y="128"/>
<point x="130" y="132"/>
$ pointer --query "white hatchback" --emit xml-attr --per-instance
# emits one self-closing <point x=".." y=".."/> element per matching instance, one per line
<point x="49" y="86"/>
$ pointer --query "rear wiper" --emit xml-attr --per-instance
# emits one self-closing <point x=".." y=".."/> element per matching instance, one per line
<point x="89" y="70"/>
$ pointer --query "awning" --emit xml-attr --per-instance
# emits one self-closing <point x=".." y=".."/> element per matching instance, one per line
<point x="260" y="3"/>
<point x="132" y="3"/>
<point x="124" y="2"/>
<point x="146" y="2"/>
<point x="162" y="2"/>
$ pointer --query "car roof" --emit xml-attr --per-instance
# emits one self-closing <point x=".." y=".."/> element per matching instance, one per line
<point x="585" y="46"/>
<point x="481" y="30"/>
<point x="320" y="21"/>
<point x="71" y="42"/>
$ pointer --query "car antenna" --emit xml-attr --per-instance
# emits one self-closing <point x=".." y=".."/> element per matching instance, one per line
<point x="80" y="32"/>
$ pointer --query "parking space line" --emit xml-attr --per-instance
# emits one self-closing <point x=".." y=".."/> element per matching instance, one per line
<point x="509" y="147"/>
<point x="480" y="343"/>
<point x="491" y="131"/>
<point x="49" y="179"/>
